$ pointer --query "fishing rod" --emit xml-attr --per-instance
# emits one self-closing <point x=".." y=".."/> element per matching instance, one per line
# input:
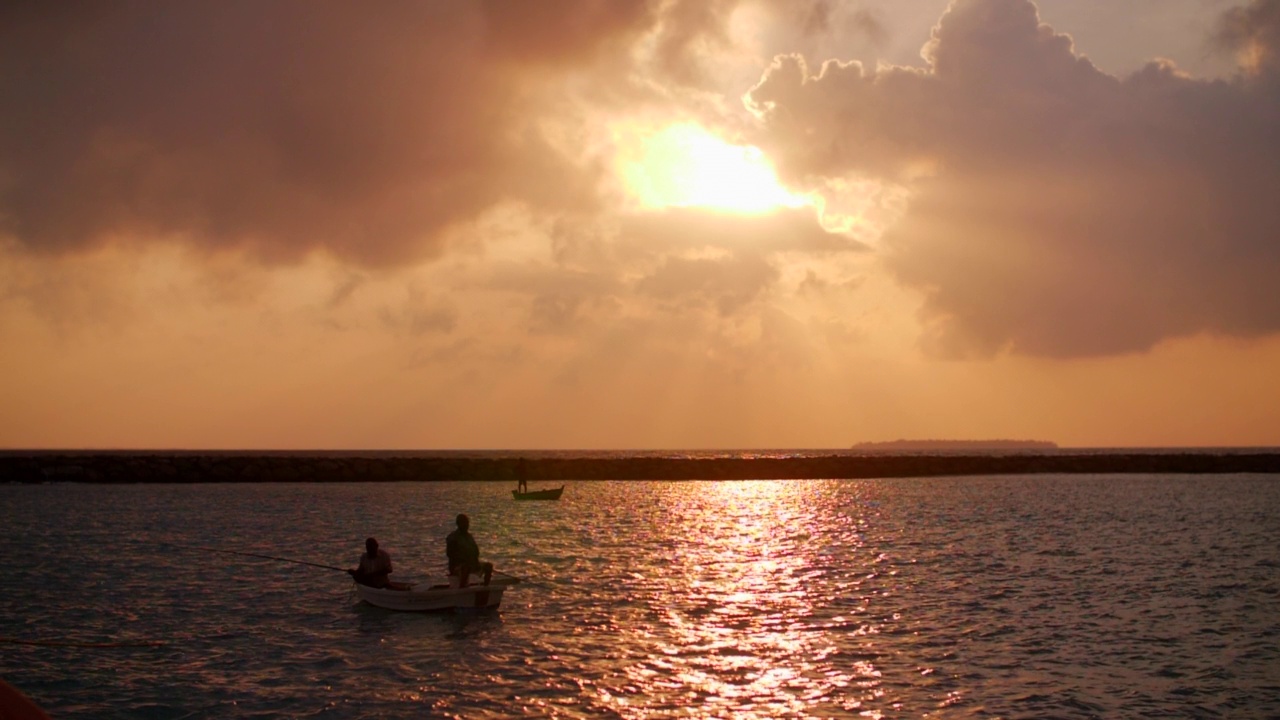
<point x="257" y="555"/>
<point x="535" y="583"/>
<point x="326" y="567"/>
<point x="513" y="577"/>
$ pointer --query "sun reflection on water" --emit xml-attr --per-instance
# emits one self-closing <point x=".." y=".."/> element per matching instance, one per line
<point x="752" y="614"/>
<point x="952" y="597"/>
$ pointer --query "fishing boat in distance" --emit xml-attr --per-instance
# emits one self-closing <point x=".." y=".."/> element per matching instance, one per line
<point x="548" y="494"/>
<point x="439" y="596"/>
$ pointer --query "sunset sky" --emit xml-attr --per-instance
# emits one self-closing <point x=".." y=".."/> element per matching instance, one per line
<point x="583" y="224"/>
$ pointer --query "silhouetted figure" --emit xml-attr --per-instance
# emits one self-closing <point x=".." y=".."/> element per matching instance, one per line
<point x="464" y="554"/>
<point x="522" y="476"/>
<point x="375" y="566"/>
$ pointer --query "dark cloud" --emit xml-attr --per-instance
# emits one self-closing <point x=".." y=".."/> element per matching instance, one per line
<point x="1252" y="33"/>
<point x="564" y="31"/>
<point x="1056" y="210"/>
<point x="285" y="126"/>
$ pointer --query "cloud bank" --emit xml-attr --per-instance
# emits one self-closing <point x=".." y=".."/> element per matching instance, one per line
<point x="287" y="127"/>
<point x="1056" y="210"/>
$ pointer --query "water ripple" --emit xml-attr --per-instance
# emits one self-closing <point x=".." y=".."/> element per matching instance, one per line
<point x="1012" y="597"/>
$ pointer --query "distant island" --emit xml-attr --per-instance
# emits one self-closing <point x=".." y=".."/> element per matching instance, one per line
<point x="957" y="445"/>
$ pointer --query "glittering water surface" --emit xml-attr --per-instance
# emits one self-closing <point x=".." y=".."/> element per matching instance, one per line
<point x="1044" y="596"/>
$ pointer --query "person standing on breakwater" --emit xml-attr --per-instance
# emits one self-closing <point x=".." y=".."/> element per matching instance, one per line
<point x="464" y="554"/>
<point x="375" y="566"/>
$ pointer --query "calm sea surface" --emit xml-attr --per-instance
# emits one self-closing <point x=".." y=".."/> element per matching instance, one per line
<point x="1038" y="596"/>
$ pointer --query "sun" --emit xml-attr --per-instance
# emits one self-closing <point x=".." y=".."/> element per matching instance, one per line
<point x="684" y="165"/>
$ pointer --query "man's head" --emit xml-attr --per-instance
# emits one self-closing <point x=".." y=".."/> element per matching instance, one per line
<point x="371" y="546"/>
<point x="463" y="521"/>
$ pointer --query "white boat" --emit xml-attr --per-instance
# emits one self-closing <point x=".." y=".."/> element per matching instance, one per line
<point x="439" y="596"/>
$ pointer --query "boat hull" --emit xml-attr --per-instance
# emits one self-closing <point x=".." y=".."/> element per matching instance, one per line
<point x="552" y="494"/>
<point x="438" y="598"/>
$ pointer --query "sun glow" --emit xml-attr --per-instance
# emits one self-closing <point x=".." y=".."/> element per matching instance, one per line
<point x="686" y="166"/>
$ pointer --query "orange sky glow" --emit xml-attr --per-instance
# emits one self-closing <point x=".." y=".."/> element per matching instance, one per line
<point x="583" y="224"/>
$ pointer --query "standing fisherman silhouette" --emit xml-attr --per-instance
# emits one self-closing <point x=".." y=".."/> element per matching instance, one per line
<point x="464" y="554"/>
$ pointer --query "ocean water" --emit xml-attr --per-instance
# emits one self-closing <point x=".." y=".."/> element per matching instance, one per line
<point x="1016" y="597"/>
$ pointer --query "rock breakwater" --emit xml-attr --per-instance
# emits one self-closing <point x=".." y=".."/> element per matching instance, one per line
<point x="160" y="467"/>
